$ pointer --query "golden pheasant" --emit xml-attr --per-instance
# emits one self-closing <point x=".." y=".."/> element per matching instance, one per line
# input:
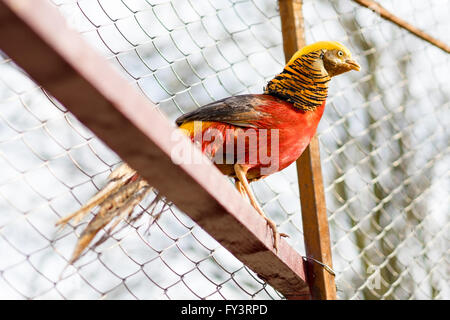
<point x="255" y="135"/>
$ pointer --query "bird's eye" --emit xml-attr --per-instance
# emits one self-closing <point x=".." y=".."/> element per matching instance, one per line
<point x="340" y="53"/>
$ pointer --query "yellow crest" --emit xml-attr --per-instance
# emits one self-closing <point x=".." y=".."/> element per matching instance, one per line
<point x="327" y="45"/>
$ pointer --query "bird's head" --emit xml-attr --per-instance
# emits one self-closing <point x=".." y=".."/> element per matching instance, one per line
<point x="334" y="56"/>
<point x="304" y="80"/>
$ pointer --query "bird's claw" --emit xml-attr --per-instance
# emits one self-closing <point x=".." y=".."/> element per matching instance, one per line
<point x="276" y="234"/>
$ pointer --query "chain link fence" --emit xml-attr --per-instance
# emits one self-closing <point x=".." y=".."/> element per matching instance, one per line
<point x="384" y="144"/>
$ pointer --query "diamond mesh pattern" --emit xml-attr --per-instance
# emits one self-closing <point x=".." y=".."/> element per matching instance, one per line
<point x="384" y="147"/>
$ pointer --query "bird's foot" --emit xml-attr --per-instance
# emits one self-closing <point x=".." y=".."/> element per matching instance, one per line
<point x="276" y="234"/>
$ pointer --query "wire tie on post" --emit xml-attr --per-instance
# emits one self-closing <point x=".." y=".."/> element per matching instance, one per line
<point x="325" y="266"/>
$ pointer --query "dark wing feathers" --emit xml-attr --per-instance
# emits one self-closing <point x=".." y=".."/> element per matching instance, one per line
<point x="238" y="110"/>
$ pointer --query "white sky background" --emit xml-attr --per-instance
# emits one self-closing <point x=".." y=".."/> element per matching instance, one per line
<point x="185" y="54"/>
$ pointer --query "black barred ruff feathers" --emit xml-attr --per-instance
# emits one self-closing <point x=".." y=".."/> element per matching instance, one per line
<point x="302" y="83"/>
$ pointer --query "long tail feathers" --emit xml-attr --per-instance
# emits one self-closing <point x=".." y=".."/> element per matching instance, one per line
<point x="123" y="192"/>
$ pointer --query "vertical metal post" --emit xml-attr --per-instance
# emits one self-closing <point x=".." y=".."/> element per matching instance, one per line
<point x="312" y="195"/>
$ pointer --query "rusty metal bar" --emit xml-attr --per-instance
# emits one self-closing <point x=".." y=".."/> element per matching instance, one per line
<point x="312" y="195"/>
<point x="385" y="14"/>
<point x="35" y="36"/>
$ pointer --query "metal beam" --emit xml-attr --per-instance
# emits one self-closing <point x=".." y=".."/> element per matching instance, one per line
<point x="389" y="16"/>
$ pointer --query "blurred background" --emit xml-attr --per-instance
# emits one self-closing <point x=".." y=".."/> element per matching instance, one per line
<point x="384" y="148"/>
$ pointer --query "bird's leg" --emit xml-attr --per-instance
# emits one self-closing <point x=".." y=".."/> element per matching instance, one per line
<point x="240" y="188"/>
<point x="241" y="173"/>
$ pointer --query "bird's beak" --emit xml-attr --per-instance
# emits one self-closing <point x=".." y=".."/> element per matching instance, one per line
<point x="352" y="65"/>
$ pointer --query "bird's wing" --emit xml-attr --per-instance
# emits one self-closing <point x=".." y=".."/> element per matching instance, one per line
<point x="239" y="110"/>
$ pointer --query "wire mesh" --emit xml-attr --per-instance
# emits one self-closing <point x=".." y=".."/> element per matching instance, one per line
<point x="384" y="145"/>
